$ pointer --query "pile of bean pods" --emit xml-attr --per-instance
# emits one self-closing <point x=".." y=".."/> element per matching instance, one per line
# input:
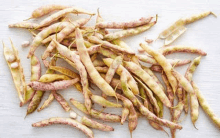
<point x="103" y="59"/>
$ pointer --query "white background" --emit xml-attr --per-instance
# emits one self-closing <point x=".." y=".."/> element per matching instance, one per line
<point x="203" y="34"/>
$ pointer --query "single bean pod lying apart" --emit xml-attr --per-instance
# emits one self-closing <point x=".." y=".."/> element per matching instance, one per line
<point x="65" y="121"/>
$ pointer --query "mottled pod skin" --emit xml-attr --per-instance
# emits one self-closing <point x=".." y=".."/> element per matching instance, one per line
<point x="35" y="102"/>
<point x="124" y="25"/>
<point x="194" y="104"/>
<point x="96" y="114"/>
<point x="26" y="25"/>
<point x="148" y="80"/>
<point x="164" y="64"/>
<point x="180" y="48"/>
<point x="65" y="105"/>
<point x="196" y="17"/>
<point x="144" y="111"/>
<point x="57" y="85"/>
<point x="46" y="9"/>
<point x="183" y="81"/>
<point x="124" y="115"/>
<point x="47" y="102"/>
<point x="96" y="125"/>
<point x="129" y="32"/>
<point x="112" y="69"/>
<point x="65" y="121"/>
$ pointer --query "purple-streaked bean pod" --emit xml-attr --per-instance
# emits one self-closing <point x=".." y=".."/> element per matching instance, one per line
<point x="57" y="85"/>
<point x="180" y="48"/>
<point x="47" y="102"/>
<point x="65" y="105"/>
<point x="26" y="25"/>
<point x="65" y="121"/>
<point x="124" y="25"/>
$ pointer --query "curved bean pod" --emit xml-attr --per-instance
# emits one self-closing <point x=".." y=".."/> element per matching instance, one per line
<point x="47" y="102"/>
<point x="65" y="105"/>
<point x="183" y="81"/>
<point x="65" y="121"/>
<point x="179" y="48"/>
<point x="112" y="69"/>
<point x="203" y="103"/>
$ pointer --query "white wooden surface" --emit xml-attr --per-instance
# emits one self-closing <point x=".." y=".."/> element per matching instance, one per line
<point x="203" y="34"/>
